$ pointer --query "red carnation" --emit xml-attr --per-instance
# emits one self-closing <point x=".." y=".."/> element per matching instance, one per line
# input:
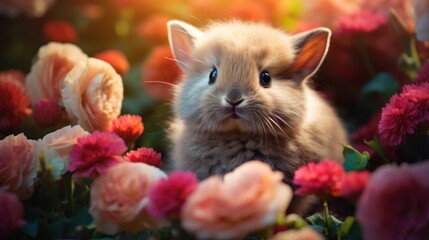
<point x="145" y="155"/>
<point x="353" y="184"/>
<point x="361" y="22"/>
<point x="320" y="178"/>
<point x="60" y="31"/>
<point x="47" y="113"/>
<point x="128" y="127"/>
<point x="115" y="58"/>
<point x="168" y="196"/>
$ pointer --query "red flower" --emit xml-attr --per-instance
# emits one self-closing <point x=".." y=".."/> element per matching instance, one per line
<point x="423" y="74"/>
<point x="154" y="29"/>
<point x="60" y="31"/>
<point x="319" y="178"/>
<point x="404" y="113"/>
<point x="47" y="113"/>
<point x="92" y="155"/>
<point x="145" y="155"/>
<point x="115" y="58"/>
<point x="167" y="196"/>
<point x="12" y="214"/>
<point x="14" y="101"/>
<point x="160" y="73"/>
<point x="361" y="22"/>
<point x="353" y="184"/>
<point x="128" y="127"/>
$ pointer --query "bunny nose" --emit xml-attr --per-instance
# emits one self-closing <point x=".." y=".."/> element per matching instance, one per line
<point x="234" y="97"/>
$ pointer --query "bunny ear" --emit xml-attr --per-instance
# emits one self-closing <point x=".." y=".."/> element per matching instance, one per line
<point x="311" y="48"/>
<point x="182" y="37"/>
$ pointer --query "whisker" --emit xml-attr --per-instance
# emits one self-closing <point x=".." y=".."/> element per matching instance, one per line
<point x="166" y="83"/>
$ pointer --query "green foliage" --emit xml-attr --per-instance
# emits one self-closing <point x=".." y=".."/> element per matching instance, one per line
<point x="349" y="230"/>
<point x="354" y="160"/>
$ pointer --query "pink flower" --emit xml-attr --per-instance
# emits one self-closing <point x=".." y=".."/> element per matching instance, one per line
<point x="92" y="155"/>
<point x="306" y="233"/>
<point x="119" y="198"/>
<point x="128" y="127"/>
<point x="320" y="178"/>
<point x="116" y="59"/>
<point x="326" y="11"/>
<point x="17" y="165"/>
<point x="423" y="74"/>
<point x="246" y="200"/>
<point x="352" y="185"/>
<point x="145" y="155"/>
<point x="14" y="101"/>
<point x="59" y="31"/>
<point x="92" y="94"/>
<point x="167" y="196"/>
<point x="53" y="62"/>
<point x="55" y="148"/>
<point x="47" y="113"/>
<point x="361" y="22"/>
<point x="395" y="204"/>
<point x="404" y="113"/>
<point x="12" y="214"/>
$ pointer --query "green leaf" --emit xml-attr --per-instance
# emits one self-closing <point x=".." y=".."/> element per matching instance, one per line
<point x="382" y="83"/>
<point x="349" y="230"/>
<point x="354" y="160"/>
<point x="376" y="145"/>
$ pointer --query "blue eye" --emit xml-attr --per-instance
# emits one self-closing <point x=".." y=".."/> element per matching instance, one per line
<point x="265" y="79"/>
<point x="213" y="76"/>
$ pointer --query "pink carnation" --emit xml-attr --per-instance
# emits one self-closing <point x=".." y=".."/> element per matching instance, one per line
<point x="319" y="178"/>
<point x="12" y="214"/>
<point x="145" y="155"/>
<point x="423" y="74"/>
<point x="47" y="113"/>
<point x="395" y="203"/>
<point x="129" y="127"/>
<point x="92" y="155"/>
<point x="361" y="22"/>
<point x="353" y="184"/>
<point x="167" y="196"/>
<point x="404" y="113"/>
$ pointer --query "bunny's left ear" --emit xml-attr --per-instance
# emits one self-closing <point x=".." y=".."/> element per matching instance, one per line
<point x="311" y="48"/>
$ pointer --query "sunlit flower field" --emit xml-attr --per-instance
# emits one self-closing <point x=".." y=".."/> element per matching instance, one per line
<point x="86" y="96"/>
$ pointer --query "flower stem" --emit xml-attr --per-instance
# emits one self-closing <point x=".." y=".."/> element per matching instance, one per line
<point x="326" y="217"/>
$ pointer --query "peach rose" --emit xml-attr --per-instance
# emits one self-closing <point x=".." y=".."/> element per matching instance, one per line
<point x="306" y="233"/>
<point x="92" y="94"/>
<point x="55" y="148"/>
<point x="18" y="165"/>
<point x="119" y="197"/>
<point x="54" y="61"/>
<point x="237" y="205"/>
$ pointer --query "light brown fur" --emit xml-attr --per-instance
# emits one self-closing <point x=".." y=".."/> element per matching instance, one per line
<point x="286" y="125"/>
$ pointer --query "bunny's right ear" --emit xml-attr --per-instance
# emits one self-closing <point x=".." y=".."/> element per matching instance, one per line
<point x="182" y="37"/>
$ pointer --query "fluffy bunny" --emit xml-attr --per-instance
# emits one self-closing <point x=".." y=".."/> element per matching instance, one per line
<point x="245" y="95"/>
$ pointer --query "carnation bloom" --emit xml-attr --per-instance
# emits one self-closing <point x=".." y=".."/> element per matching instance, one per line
<point x="59" y="31"/>
<point x="145" y="155"/>
<point x="129" y="127"/>
<point x="395" y="203"/>
<point x="115" y="58"/>
<point x="53" y="62"/>
<point x="423" y="74"/>
<point x="160" y="72"/>
<point x="14" y="101"/>
<point x="55" y="148"/>
<point x="352" y="185"/>
<point x="92" y="155"/>
<point x="92" y="94"/>
<point x="18" y="165"/>
<point x="154" y="29"/>
<point x="119" y="198"/>
<point x="306" y="233"/>
<point x="361" y="22"/>
<point x="320" y="178"/>
<point x="47" y="113"/>
<point x="404" y="113"/>
<point x="237" y="205"/>
<point x="12" y="214"/>
<point x="167" y="196"/>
